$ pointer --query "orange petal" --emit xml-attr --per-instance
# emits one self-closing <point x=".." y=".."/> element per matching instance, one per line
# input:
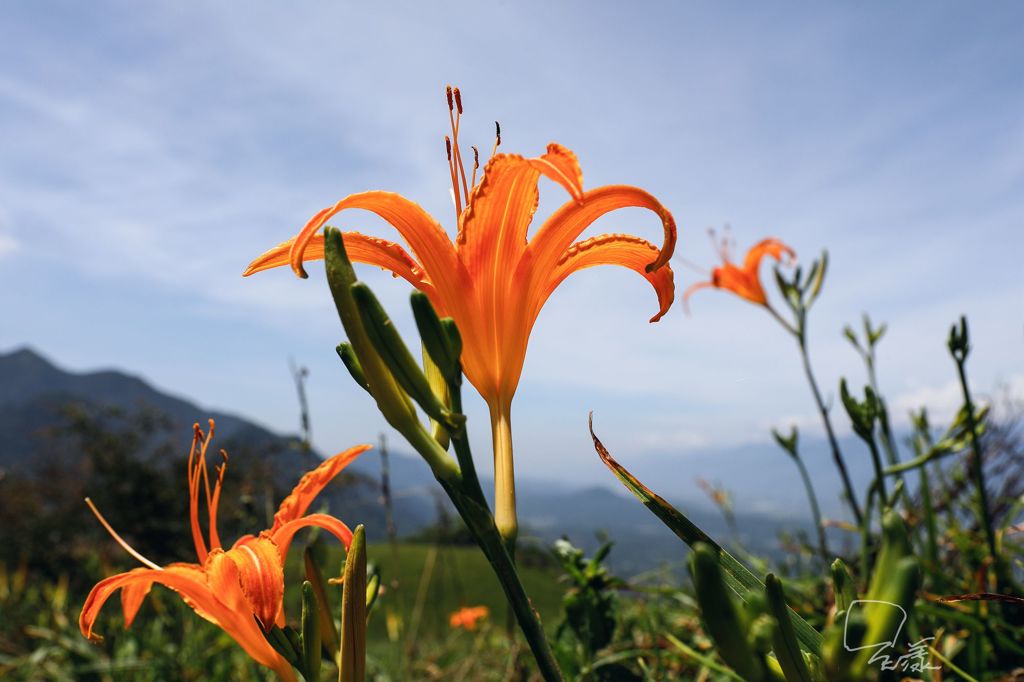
<point x="296" y="504"/>
<point x="567" y="223"/>
<point x="361" y="248"/>
<point x="499" y="211"/>
<point x="190" y="582"/>
<point x="282" y="537"/>
<point x="132" y="596"/>
<point x="744" y="283"/>
<point x="561" y="165"/>
<point x="766" y="247"/>
<point x="422" y="233"/>
<point x="186" y="579"/>
<point x="492" y="229"/>
<point x="691" y="290"/>
<point x="260" y="573"/>
<point x="616" y="249"/>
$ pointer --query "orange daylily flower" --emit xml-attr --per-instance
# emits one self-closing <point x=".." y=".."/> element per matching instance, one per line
<point x="494" y="279"/>
<point x="466" y="618"/>
<point x="241" y="589"/>
<point x="743" y="281"/>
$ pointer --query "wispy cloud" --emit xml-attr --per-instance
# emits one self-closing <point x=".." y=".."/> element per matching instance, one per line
<point x="151" y="157"/>
<point x="8" y="245"/>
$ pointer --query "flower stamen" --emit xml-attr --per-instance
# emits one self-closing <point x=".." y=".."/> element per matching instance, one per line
<point x="215" y="501"/>
<point x="456" y="197"/>
<point x="476" y="164"/>
<point x="455" y="118"/>
<point x="497" y="138"/>
<point x="128" y="548"/>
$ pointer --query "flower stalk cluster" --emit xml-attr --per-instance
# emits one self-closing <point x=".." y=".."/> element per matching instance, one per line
<point x="382" y="364"/>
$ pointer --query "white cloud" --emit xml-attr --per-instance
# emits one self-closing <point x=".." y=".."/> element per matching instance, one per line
<point x="8" y="245"/>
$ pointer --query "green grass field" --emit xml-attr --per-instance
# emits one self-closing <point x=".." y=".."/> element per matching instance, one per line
<point x="439" y="580"/>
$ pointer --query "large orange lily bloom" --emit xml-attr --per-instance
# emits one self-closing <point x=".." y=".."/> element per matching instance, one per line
<point x="240" y="590"/>
<point x="743" y="281"/>
<point x="493" y="279"/>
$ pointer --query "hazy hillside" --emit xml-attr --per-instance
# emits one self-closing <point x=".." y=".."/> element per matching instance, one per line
<point x="33" y="392"/>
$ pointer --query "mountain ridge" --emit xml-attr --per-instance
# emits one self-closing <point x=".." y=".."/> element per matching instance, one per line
<point x="31" y="386"/>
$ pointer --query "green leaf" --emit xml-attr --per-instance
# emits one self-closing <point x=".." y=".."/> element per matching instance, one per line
<point x="311" y="643"/>
<point x="328" y="632"/>
<point x="842" y="585"/>
<point x="737" y="576"/>
<point x="788" y="443"/>
<point x="435" y="337"/>
<point x="352" y="661"/>
<point x="389" y="345"/>
<point x="724" y="623"/>
<point x="819" y="278"/>
<point x="785" y="645"/>
<point x="851" y="336"/>
<point x="348" y="356"/>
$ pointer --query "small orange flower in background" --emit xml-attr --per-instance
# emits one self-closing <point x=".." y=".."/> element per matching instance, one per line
<point x="494" y="279"/>
<point x="466" y="618"/>
<point x="743" y="281"/>
<point x="241" y="589"/>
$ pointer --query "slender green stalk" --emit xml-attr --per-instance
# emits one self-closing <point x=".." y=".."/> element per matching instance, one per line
<point x="837" y="456"/>
<point x="481" y="524"/>
<point x="471" y="504"/>
<point x="922" y="442"/>
<point x="952" y="666"/>
<point x="815" y="510"/>
<point x="929" y="519"/>
<point x="865" y="532"/>
<point x="876" y="459"/>
<point x="978" y="470"/>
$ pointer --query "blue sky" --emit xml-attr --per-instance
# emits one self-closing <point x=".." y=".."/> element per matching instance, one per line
<point x="151" y="150"/>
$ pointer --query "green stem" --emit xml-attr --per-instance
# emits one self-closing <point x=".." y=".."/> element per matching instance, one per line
<point x="865" y="534"/>
<point x="481" y="524"/>
<point x="876" y="459"/>
<point x="921" y="443"/>
<point x="815" y="510"/>
<point x="977" y="466"/>
<point x="823" y="411"/>
<point x="471" y="504"/>
<point x="929" y="518"/>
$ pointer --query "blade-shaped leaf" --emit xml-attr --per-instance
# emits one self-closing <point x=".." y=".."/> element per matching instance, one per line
<point x="737" y="576"/>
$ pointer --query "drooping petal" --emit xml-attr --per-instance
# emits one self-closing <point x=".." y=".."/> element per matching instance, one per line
<point x="615" y="249"/>
<point x="562" y="166"/>
<point x="567" y="223"/>
<point x="132" y="596"/>
<point x="282" y="537"/>
<point x="185" y="579"/>
<point x="766" y="247"/>
<point x="691" y="290"/>
<point x="310" y="485"/>
<point x="422" y="233"/>
<point x="360" y="248"/>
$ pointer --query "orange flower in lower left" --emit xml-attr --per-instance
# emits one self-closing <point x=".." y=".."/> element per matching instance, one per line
<point x="240" y="590"/>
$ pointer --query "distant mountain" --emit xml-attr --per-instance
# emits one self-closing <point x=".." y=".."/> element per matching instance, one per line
<point x="33" y="391"/>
